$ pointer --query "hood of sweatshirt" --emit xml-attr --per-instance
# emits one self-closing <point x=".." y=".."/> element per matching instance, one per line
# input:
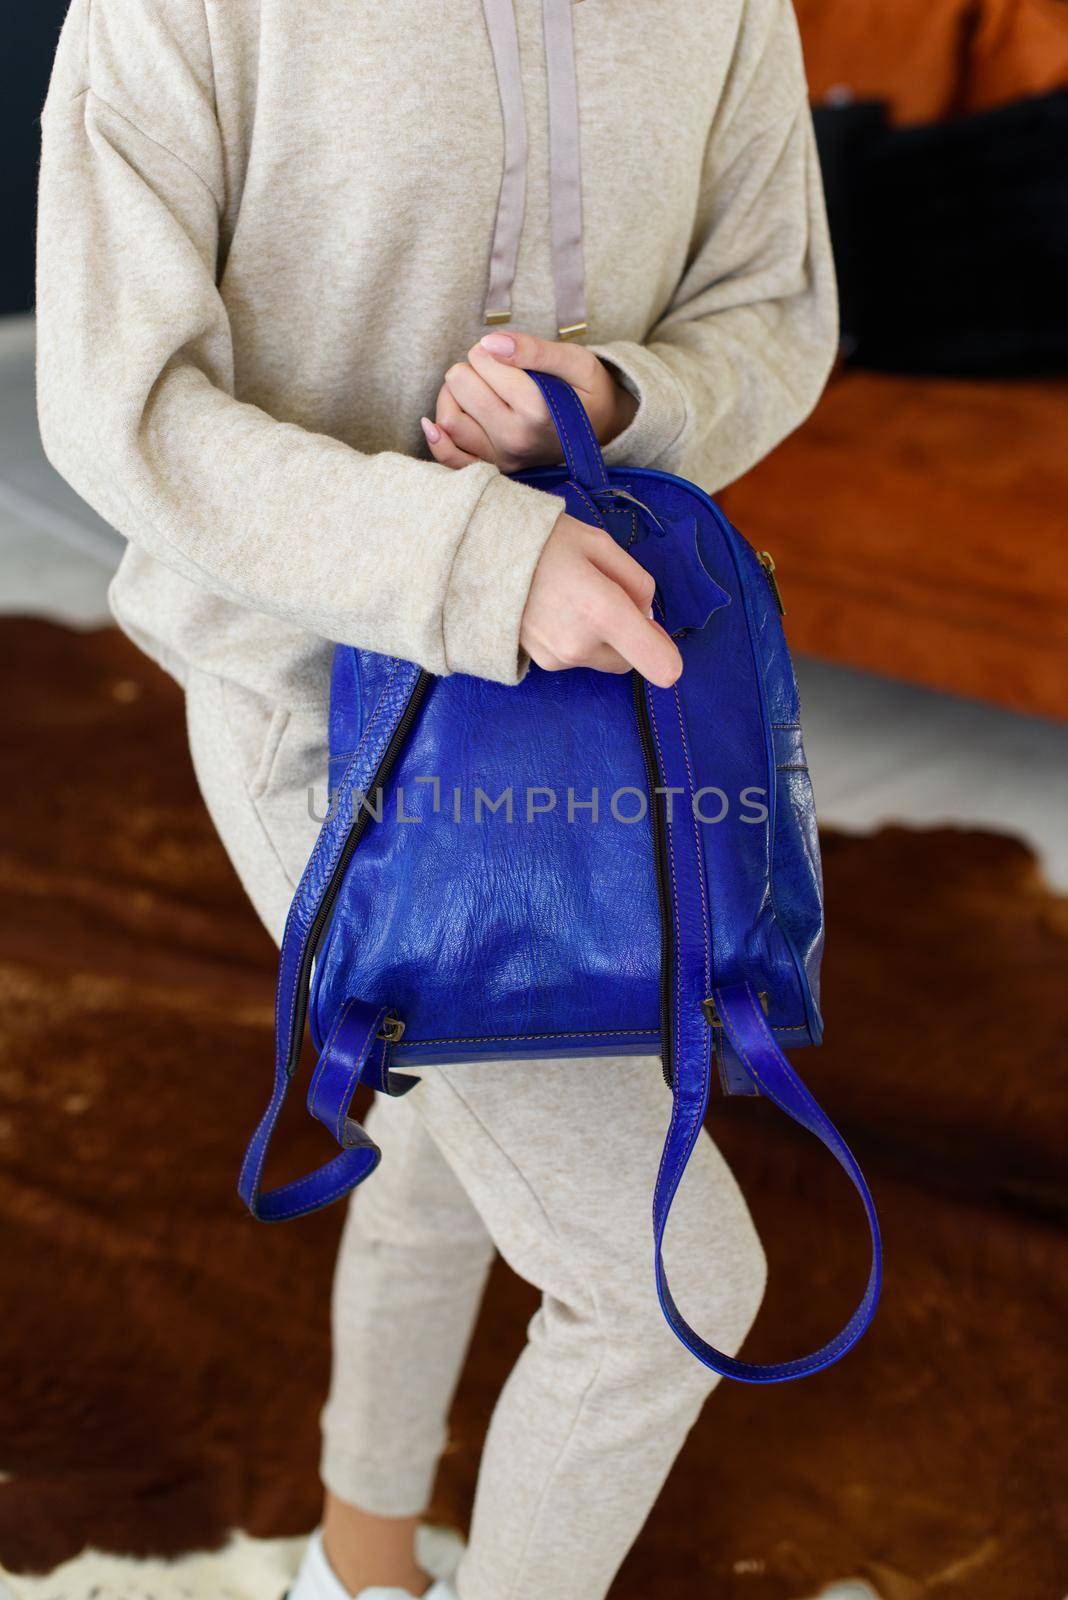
<point x="565" y="166"/>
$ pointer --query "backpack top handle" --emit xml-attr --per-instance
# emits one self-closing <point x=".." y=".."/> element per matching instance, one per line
<point x="582" y="453"/>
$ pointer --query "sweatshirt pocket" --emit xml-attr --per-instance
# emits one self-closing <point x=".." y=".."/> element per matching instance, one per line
<point x="281" y="755"/>
<point x="260" y="778"/>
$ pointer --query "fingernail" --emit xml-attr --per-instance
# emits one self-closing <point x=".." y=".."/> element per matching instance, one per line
<point x="432" y="433"/>
<point x="498" y="344"/>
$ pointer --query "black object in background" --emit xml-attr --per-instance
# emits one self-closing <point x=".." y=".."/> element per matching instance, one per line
<point x="29" y="35"/>
<point x="951" y="239"/>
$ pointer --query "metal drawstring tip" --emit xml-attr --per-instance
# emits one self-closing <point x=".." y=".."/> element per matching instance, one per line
<point x="572" y="331"/>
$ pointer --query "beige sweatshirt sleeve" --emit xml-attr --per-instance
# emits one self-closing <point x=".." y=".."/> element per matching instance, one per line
<point x="136" y="385"/>
<point x="743" y="351"/>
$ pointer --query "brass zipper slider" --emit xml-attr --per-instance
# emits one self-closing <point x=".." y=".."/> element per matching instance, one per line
<point x="711" y="1015"/>
<point x="767" y="561"/>
<point x="713" y="1018"/>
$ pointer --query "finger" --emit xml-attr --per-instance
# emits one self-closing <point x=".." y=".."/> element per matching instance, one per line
<point x="515" y="387"/>
<point x="529" y="426"/>
<point x="463" y="430"/>
<point x="601" y="659"/>
<point x="442" y="447"/>
<point x="638" y="640"/>
<point x="622" y="568"/>
<point x="446" y="411"/>
<point x="605" y="659"/>
<point x="572" y="362"/>
<point x="474" y="396"/>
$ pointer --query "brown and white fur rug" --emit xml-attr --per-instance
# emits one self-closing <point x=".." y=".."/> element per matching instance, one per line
<point x="245" y="1569"/>
<point x="164" y="1361"/>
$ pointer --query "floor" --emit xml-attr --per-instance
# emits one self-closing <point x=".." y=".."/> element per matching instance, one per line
<point x="879" y="751"/>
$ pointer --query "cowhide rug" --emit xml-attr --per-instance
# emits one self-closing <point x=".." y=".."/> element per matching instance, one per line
<point x="245" y="1569"/>
<point x="164" y="1359"/>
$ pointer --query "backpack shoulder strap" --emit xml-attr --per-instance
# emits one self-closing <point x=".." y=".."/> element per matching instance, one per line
<point x="358" y="1048"/>
<point x="692" y="1038"/>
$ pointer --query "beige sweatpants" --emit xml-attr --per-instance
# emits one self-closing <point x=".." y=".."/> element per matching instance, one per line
<point x="553" y="1165"/>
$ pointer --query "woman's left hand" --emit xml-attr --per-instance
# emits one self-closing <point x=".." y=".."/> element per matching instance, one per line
<point x="490" y="409"/>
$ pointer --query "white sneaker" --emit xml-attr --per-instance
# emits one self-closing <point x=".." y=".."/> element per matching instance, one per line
<point x="437" y="1552"/>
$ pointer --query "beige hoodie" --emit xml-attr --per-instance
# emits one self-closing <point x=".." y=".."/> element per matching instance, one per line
<point x="265" y="233"/>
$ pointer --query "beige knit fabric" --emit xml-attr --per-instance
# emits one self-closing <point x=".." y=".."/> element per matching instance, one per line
<point x="264" y="235"/>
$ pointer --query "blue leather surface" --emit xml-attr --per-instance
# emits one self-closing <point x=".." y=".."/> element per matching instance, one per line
<point x="470" y="892"/>
<point x="479" y="931"/>
<point x="533" y="928"/>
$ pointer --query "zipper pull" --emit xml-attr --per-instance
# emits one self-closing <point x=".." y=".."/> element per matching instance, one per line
<point x="712" y="1016"/>
<point x="767" y="561"/>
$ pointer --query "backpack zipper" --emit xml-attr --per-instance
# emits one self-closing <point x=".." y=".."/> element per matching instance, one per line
<point x="667" y="941"/>
<point x="767" y="561"/>
<point x="355" y="834"/>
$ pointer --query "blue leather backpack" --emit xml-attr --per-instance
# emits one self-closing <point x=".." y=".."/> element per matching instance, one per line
<point x="598" y="867"/>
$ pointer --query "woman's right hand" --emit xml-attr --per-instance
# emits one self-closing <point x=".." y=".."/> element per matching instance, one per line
<point x="589" y="606"/>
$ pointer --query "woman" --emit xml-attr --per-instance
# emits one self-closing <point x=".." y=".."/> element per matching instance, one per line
<point x="271" y="238"/>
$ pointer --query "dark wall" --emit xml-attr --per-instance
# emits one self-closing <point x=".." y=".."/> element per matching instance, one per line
<point x="27" y="45"/>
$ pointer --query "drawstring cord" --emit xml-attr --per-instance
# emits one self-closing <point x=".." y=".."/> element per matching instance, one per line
<point x="565" y="168"/>
<point x="511" y="202"/>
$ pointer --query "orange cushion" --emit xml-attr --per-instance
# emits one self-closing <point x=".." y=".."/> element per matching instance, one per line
<point x="917" y="525"/>
<point x="1020" y="48"/>
<point x="911" y="53"/>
